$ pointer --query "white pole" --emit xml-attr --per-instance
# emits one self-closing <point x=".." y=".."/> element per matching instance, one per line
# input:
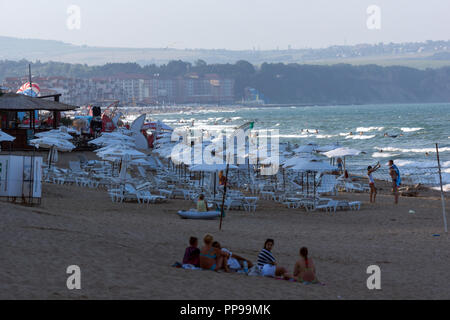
<point x="442" y="190"/>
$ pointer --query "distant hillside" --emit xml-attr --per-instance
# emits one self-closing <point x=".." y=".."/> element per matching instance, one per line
<point x="430" y="54"/>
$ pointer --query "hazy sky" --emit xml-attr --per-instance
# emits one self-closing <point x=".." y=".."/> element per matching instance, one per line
<point x="230" y="24"/>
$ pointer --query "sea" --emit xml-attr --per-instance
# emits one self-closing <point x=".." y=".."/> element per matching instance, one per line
<point x="405" y="133"/>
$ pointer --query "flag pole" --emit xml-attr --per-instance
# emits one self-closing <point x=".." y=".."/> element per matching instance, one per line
<point x="442" y="190"/>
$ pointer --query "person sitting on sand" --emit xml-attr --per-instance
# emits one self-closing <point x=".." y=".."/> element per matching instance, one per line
<point x="373" y="189"/>
<point x="234" y="261"/>
<point x="192" y="253"/>
<point x="268" y="264"/>
<point x="212" y="258"/>
<point x="202" y="205"/>
<point x="304" y="269"/>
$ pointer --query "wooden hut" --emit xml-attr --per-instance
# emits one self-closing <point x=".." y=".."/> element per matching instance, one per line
<point x="11" y="104"/>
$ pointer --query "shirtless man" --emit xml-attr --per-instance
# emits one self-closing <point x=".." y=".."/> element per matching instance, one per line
<point x="395" y="179"/>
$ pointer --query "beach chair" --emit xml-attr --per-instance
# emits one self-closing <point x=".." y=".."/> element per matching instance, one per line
<point x="327" y="205"/>
<point x="353" y="187"/>
<point x="145" y="196"/>
<point x="250" y="203"/>
<point x="355" y="205"/>
<point x="75" y="167"/>
<point x="328" y="184"/>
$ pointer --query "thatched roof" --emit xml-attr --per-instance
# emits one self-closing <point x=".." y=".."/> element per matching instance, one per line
<point x="19" y="102"/>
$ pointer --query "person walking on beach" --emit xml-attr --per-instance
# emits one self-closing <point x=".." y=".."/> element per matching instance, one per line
<point x="373" y="190"/>
<point x="396" y="181"/>
<point x="268" y="264"/>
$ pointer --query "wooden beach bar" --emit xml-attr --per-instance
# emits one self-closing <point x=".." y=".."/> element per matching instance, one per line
<point x="12" y="104"/>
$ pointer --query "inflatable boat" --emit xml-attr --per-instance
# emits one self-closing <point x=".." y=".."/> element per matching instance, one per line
<point x="194" y="214"/>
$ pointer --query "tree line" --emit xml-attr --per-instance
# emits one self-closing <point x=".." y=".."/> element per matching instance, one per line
<point x="280" y="83"/>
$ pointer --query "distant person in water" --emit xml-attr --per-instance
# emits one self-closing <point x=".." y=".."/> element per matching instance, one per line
<point x="361" y="133"/>
<point x="396" y="181"/>
<point x="373" y="189"/>
<point x="304" y="269"/>
<point x="350" y="134"/>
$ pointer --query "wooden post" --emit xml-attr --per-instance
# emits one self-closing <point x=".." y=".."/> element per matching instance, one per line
<point x="55" y="119"/>
<point x="442" y="190"/>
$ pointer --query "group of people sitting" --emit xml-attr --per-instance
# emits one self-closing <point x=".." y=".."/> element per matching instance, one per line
<point x="211" y="256"/>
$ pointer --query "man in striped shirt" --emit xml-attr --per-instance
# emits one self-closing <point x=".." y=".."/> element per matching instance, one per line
<point x="267" y="263"/>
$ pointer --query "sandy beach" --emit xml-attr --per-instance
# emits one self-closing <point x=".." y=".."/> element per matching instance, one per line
<point x="125" y="251"/>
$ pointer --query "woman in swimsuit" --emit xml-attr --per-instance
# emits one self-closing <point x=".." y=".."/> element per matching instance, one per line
<point x="305" y="270"/>
<point x="373" y="190"/>
<point x="212" y="258"/>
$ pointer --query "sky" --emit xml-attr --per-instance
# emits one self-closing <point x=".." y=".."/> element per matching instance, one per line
<point x="225" y="24"/>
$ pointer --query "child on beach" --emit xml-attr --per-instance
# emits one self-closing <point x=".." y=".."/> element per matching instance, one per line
<point x="192" y="253"/>
<point x="373" y="190"/>
<point x="304" y="269"/>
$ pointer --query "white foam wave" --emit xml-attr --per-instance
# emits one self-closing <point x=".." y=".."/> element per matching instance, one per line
<point x="384" y="155"/>
<point x="446" y="188"/>
<point x="411" y="129"/>
<point x="363" y="137"/>
<point x="367" y="129"/>
<point x="412" y="150"/>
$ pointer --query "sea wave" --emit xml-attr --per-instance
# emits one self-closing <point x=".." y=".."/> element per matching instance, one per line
<point x="384" y="155"/>
<point x="363" y="137"/>
<point x="411" y="129"/>
<point x="367" y="129"/>
<point x="412" y="150"/>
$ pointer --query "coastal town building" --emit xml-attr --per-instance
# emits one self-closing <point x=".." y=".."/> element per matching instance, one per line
<point x="131" y="89"/>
